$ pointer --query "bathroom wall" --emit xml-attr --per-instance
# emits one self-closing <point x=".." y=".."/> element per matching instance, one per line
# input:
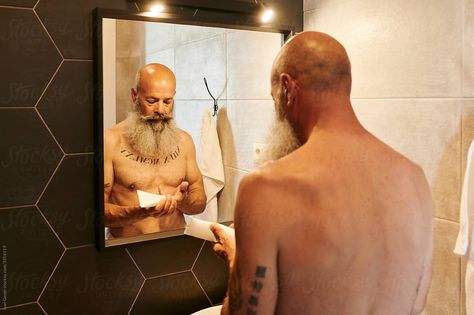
<point x="47" y="180"/>
<point x="413" y="87"/>
<point x="236" y="64"/>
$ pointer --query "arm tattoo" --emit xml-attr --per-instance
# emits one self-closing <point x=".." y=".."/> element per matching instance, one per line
<point x="257" y="286"/>
<point x="235" y="290"/>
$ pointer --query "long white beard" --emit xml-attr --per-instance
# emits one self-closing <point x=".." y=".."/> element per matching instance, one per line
<point x="152" y="138"/>
<point x="280" y="141"/>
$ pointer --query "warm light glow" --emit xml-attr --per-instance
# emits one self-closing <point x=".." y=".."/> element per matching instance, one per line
<point x="157" y="8"/>
<point x="267" y="15"/>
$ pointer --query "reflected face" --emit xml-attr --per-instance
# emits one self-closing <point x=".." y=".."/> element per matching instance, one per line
<point x="154" y="97"/>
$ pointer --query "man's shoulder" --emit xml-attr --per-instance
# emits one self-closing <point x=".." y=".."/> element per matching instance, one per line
<point x="112" y="136"/>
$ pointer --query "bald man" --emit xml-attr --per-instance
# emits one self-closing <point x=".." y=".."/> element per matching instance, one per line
<point x="338" y="222"/>
<point x="148" y="152"/>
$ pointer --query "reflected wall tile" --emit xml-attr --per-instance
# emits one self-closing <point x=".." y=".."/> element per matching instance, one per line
<point x="250" y="122"/>
<point x="467" y="130"/>
<point x="228" y="194"/>
<point x="244" y="82"/>
<point x="469" y="48"/>
<point x="159" y="36"/>
<point x="433" y="129"/>
<point x="388" y="59"/>
<point x="165" y="57"/>
<point x="443" y="297"/>
<point x="130" y="39"/>
<point x="126" y="69"/>
<point x="463" y="287"/>
<point x="188" y="33"/>
<point x="197" y="60"/>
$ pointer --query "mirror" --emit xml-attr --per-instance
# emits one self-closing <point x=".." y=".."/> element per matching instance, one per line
<point x="216" y="144"/>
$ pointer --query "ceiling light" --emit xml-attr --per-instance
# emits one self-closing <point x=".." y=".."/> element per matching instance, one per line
<point x="267" y="15"/>
<point x="157" y="8"/>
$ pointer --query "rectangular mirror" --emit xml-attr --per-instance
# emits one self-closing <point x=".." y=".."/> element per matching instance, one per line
<point x="207" y="148"/>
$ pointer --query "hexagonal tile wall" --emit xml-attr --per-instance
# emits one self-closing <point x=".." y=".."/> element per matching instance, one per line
<point x="70" y="23"/>
<point x="169" y="255"/>
<point x="68" y="201"/>
<point x="28" y="58"/>
<point x="19" y="3"/>
<point x="89" y="282"/>
<point x="30" y="309"/>
<point x="28" y="156"/>
<point x="28" y="270"/>
<point x="175" y="294"/>
<point x="67" y="106"/>
<point x="212" y="273"/>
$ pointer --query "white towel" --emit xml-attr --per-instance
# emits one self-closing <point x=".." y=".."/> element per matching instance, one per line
<point x="212" y="168"/>
<point x="465" y="240"/>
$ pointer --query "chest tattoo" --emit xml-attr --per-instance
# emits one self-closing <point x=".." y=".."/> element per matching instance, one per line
<point x="151" y="161"/>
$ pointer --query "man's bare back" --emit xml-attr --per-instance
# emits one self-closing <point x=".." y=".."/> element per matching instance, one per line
<point x="359" y="222"/>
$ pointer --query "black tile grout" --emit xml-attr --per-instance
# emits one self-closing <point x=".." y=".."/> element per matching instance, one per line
<point x="17" y="305"/>
<point x="14" y="7"/>
<point x="48" y="84"/>
<point x="50" y="132"/>
<point x="199" y="283"/>
<point x="136" y="297"/>
<point x="41" y="307"/>
<point x="79" y="246"/>
<point x="168" y="274"/>
<point x="14" y="207"/>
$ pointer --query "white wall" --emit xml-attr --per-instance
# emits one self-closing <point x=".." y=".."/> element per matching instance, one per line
<point x="413" y="73"/>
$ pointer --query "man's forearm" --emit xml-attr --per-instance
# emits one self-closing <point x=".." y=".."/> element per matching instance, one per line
<point x="193" y="203"/>
<point x="118" y="216"/>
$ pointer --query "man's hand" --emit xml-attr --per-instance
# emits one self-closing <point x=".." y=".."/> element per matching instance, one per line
<point x="225" y="245"/>
<point x="171" y="203"/>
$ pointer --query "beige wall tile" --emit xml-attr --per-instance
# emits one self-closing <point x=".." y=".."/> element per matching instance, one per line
<point x="443" y="297"/>
<point x="428" y="133"/>
<point x="159" y="36"/>
<point x="194" y="61"/>
<point x="190" y="33"/>
<point x="249" y="122"/>
<point x="250" y="57"/>
<point x="463" y="288"/>
<point x="130" y="39"/>
<point x="469" y="48"/>
<point x="398" y="48"/>
<point x="467" y="130"/>
<point x="165" y="57"/>
<point x="126" y="68"/>
<point x="226" y="201"/>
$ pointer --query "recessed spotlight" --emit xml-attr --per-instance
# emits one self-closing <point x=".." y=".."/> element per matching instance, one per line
<point x="267" y="15"/>
<point x="157" y="8"/>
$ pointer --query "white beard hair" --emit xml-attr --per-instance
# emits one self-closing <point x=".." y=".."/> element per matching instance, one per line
<point x="151" y="138"/>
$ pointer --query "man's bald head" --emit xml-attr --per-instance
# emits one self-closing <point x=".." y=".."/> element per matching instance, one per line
<point x="316" y="61"/>
<point x="155" y="74"/>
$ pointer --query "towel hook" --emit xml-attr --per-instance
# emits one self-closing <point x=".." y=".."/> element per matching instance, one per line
<point x="216" y="108"/>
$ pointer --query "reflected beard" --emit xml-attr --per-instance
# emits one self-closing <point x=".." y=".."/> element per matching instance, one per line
<point x="151" y="136"/>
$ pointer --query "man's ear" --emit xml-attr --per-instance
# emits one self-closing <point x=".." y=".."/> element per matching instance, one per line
<point x="133" y="94"/>
<point x="290" y="88"/>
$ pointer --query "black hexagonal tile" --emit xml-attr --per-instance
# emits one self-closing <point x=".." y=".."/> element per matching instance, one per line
<point x="67" y="106"/>
<point x="28" y="156"/>
<point x="91" y="282"/>
<point x="70" y="23"/>
<point x="68" y="201"/>
<point x="19" y="3"/>
<point x="212" y="273"/>
<point x="30" y="309"/>
<point x="165" y="256"/>
<point x="177" y="294"/>
<point x="30" y="251"/>
<point x="28" y="58"/>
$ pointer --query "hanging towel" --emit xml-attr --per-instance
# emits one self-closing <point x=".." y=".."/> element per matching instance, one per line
<point x="465" y="240"/>
<point x="212" y="168"/>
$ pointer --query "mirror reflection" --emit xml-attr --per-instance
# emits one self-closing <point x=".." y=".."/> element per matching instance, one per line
<point x="168" y="154"/>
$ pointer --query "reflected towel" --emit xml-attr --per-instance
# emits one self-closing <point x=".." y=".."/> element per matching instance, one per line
<point x="465" y="240"/>
<point x="211" y="166"/>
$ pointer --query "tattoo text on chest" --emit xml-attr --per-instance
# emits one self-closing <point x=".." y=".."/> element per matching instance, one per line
<point x="151" y="161"/>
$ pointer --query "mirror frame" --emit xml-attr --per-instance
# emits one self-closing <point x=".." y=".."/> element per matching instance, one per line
<point x="216" y="19"/>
